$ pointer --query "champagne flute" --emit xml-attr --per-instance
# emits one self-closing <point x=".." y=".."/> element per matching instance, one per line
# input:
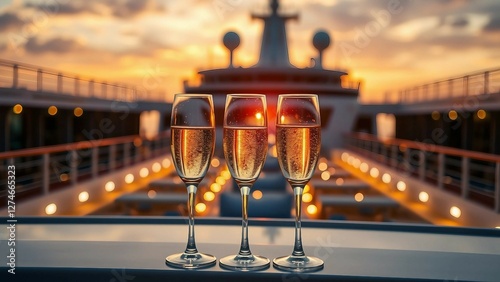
<point x="298" y="142"/>
<point x="245" y="149"/>
<point x="192" y="145"/>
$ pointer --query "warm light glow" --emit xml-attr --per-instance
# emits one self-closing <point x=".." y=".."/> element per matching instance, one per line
<point x="226" y="174"/>
<point x="332" y="170"/>
<point x="322" y="166"/>
<point x="258" y="115"/>
<point x="435" y="115"/>
<point x="339" y="181"/>
<point x="374" y="172"/>
<point x="200" y="207"/>
<point x="273" y="151"/>
<point x="359" y="197"/>
<point x="221" y="180"/>
<point x="209" y="196"/>
<point x="151" y="194"/>
<point x="166" y="163"/>
<point x="282" y="119"/>
<point x="78" y="112"/>
<point x="137" y="142"/>
<point x="344" y="156"/>
<point x="401" y="186"/>
<point x="453" y="115"/>
<point x="63" y="177"/>
<point x="129" y="178"/>
<point x="215" y="162"/>
<point x="17" y="109"/>
<point x="257" y="194"/>
<point x="498" y="227"/>
<point x="364" y="167"/>
<point x="271" y="139"/>
<point x="423" y="197"/>
<point x="51" y="209"/>
<point x="52" y="110"/>
<point x="156" y="167"/>
<point x="83" y="196"/>
<point x="307" y="188"/>
<point x="144" y="172"/>
<point x="307" y="197"/>
<point x="350" y="159"/>
<point x="325" y="175"/>
<point x="312" y="209"/>
<point x="386" y="178"/>
<point x="455" y="212"/>
<point x="109" y="186"/>
<point x="356" y="163"/>
<point x="481" y="114"/>
<point x="215" y="187"/>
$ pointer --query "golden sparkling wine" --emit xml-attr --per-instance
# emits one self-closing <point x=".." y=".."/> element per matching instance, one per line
<point x="245" y="149"/>
<point x="192" y="149"/>
<point x="298" y="150"/>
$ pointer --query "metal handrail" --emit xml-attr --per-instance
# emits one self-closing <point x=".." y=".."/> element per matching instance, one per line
<point x="472" y="84"/>
<point x="471" y="174"/>
<point x="36" y="78"/>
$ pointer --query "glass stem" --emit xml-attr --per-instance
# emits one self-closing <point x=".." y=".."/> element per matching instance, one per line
<point x="244" y="247"/>
<point x="297" y="248"/>
<point x="191" y="244"/>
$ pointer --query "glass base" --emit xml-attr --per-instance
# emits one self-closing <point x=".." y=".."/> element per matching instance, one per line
<point x="244" y="263"/>
<point x="190" y="261"/>
<point x="298" y="264"/>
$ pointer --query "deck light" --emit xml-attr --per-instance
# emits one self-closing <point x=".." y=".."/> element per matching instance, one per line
<point x="156" y="167"/>
<point x="83" y="196"/>
<point x="423" y="197"/>
<point x="215" y="162"/>
<point x="307" y="188"/>
<point x="455" y="211"/>
<point x="166" y="163"/>
<point x="226" y="174"/>
<point x="374" y="172"/>
<point x="481" y="114"/>
<point x="52" y="110"/>
<point x="453" y="115"/>
<point x="344" y="156"/>
<point x="322" y="166"/>
<point x="144" y="172"/>
<point x="312" y="209"/>
<point x="51" y="209"/>
<point x="215" y="187"/>
<point x="129" y="178"/>
<point x="257" y="194"/>
<point x="435" y="115"/>
<point x="109" y="186"/>
<point x="364" y="167"/>
<point x="359" y="197"/>
<point x="356" y="163"/>
<point x="200" y="207"/>
<point x="339" y="181"/>
<point x="151" y="194"/>
<point x="386" y="178"/>
<point x="78" y="112"/>
<point x="325" y="175"/>
<point x="209" y="196"/>
<point x="17" y="109"/>
<point x="221" y="180"/>
<point x="401" y="186"/>
<point x="307" y="197"/>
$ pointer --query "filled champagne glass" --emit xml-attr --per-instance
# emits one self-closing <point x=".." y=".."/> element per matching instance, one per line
<point x="192" y="145"/>
<point x="298" y="142"/>
<point x="245" y="149"/>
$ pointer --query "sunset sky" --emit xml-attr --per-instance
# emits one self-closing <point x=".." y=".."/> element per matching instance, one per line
<point x="155" y="44"/>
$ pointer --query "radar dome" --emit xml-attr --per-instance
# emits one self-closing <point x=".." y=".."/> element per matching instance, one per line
<point x="231" y="40"/>
<point x="321" y="40"/>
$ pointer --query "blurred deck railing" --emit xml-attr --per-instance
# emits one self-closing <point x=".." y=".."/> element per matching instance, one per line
<point x="43" y="170"/>
<point x="24" y="76"/>
<point x="473" y="84"/>
<point x="473" y="175"/>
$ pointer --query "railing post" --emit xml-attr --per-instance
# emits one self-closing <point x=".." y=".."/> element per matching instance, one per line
<point x="450" y="86"/>
<point x="436" y="90"/>
<point x="15" y="76"/>
<point x="407" y="163"/>
<point x="466" y="86"/>
<point x="138" y="153"/>
<point x="465" y="177"/>
<point x="112" y="157"/>
<point x="394" y="156"/>
<point x="103" y="90"/>
<point x="74" y="167"/>
<point x="441" y="164"/>
<point x="46" y="174"/>
<point x="77" y="86"/>
<point x="59" y="83"/>
<point x="421" y="163"/>
<point x="486" y="82"/>
<point x="91" y="88"/>
<point x="497" y="187"/>
<point x="126" y="154"/>
<point x="39" y="80"/>
<point x="95" y="161"/>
